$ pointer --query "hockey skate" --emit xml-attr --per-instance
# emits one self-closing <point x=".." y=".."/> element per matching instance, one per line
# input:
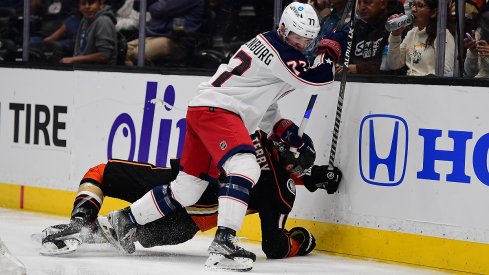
<point x="119" y="228"/>
<point x="66" y="238"/>
<point x="62" y="239"/>
<point x="225" y="254"/>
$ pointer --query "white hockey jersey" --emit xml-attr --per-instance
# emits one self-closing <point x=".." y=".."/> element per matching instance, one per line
<point x="261" y="72"/>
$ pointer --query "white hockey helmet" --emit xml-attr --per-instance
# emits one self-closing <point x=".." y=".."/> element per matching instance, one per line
<point x="301" y="19"/>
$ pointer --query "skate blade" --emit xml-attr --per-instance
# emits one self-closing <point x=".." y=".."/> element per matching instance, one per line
<point x="219" y="262"/>
<point x="108" y="232"/>
<point x="50" y="249"/>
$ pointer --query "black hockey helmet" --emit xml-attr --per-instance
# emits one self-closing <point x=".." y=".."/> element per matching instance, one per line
<point x="304" y="160"/>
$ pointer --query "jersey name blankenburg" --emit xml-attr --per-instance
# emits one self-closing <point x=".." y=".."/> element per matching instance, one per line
<point x="261" y="72"/>
<point x="260" y="50"/>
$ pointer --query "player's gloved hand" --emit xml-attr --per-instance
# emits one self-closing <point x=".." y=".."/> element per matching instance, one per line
<point x="323" y="177"/>
<point x="304" y="238"/>
<point x="288" y="132"/>
<point x="330" y="48"/>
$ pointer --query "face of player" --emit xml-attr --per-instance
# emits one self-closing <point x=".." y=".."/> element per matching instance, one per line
<point x="89" y="8"/>
<point x="298" y="42"/>
<point x="289" y="167"/>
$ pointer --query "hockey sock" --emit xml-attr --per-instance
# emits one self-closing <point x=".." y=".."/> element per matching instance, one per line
<point x="233" y="201"/>
<point x="155" y="204"/>
<point x="86" y="205"/>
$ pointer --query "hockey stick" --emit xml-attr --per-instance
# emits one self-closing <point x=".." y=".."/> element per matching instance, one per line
<point x="304" y="121"/>
<point x="350" y="7"/>
<point x="307" y="114"/>
<point x="341" y="95"/>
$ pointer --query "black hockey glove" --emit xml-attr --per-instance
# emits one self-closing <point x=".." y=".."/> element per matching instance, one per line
<point x="304" y="238"/>
<point x="323" y="177"/>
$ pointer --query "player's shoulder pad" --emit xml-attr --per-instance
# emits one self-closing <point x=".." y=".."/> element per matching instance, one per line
<point x="285" y="52"/>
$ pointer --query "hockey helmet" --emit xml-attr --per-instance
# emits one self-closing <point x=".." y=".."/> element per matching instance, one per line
<point x="301" y="19"/>
<point x="299" y="164"/>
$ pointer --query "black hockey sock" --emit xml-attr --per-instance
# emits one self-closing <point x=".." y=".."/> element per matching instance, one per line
<point x="86" y="205"/>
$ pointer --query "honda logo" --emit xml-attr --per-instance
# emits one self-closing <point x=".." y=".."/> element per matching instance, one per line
<point x="383" y="149"/>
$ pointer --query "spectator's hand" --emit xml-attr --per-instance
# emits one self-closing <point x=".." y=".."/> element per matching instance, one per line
<point x="398" y="31"/>
<point x="352" y="68"/>
<point x="471" y="44"/>
<point x="482" y="48"/>
<point x="66" y="60"/>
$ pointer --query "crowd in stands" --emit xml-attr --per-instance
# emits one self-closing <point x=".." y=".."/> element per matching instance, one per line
<point x="205" y="33"/>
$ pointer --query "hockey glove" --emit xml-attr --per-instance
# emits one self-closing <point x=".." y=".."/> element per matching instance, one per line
<point x="330" y="48"/>
<point x="323" y="177"/>
<point x="304" y="238"/>
<point x="288" y="132"/>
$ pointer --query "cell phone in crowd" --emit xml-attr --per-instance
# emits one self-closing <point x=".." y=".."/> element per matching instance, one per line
<point x="469" y="36"/>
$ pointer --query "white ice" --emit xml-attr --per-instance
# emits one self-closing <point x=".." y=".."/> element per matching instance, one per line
<point x="188" y="258"/>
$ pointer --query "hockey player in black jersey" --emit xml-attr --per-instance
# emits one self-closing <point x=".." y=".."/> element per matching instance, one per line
<point x="273" y="198"/>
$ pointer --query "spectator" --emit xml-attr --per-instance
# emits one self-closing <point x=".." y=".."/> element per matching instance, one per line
<point x="96" y="37"/>
<point x="418" y="49"/>
<point x="127" y="17"/>
<point x="477" y="60"/>
<point x="329" y="26"/>
<point x="473" y="8"/>
<point x="169" y="32"/>
<point x="8" y="31"/>
<point x="13" y="4"/>
<point x="51" y="15"/>
<point x="59" y="44"/>
<point x="322" y="7"/>
<point x="370" y="35"/>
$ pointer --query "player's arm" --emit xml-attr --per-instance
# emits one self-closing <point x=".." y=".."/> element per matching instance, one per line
<point x="271" y="117"/>
<point x="293" y="68"/>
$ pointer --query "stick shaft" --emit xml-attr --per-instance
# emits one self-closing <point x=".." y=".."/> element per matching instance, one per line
<point x="307" y="114"/>
<point x="339" y="106"/>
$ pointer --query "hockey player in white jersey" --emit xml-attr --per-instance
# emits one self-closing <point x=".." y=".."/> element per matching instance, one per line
<point x="241" y="97"/>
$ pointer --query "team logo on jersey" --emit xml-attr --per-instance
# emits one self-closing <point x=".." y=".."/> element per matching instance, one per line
<point x="291" y="186"/>
<point x="223" y="145"/>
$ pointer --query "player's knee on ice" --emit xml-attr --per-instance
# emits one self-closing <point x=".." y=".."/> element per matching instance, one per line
<point x="276" y="246"/>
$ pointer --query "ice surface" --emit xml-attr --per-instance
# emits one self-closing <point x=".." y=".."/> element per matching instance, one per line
<point x="188" y="258"/>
